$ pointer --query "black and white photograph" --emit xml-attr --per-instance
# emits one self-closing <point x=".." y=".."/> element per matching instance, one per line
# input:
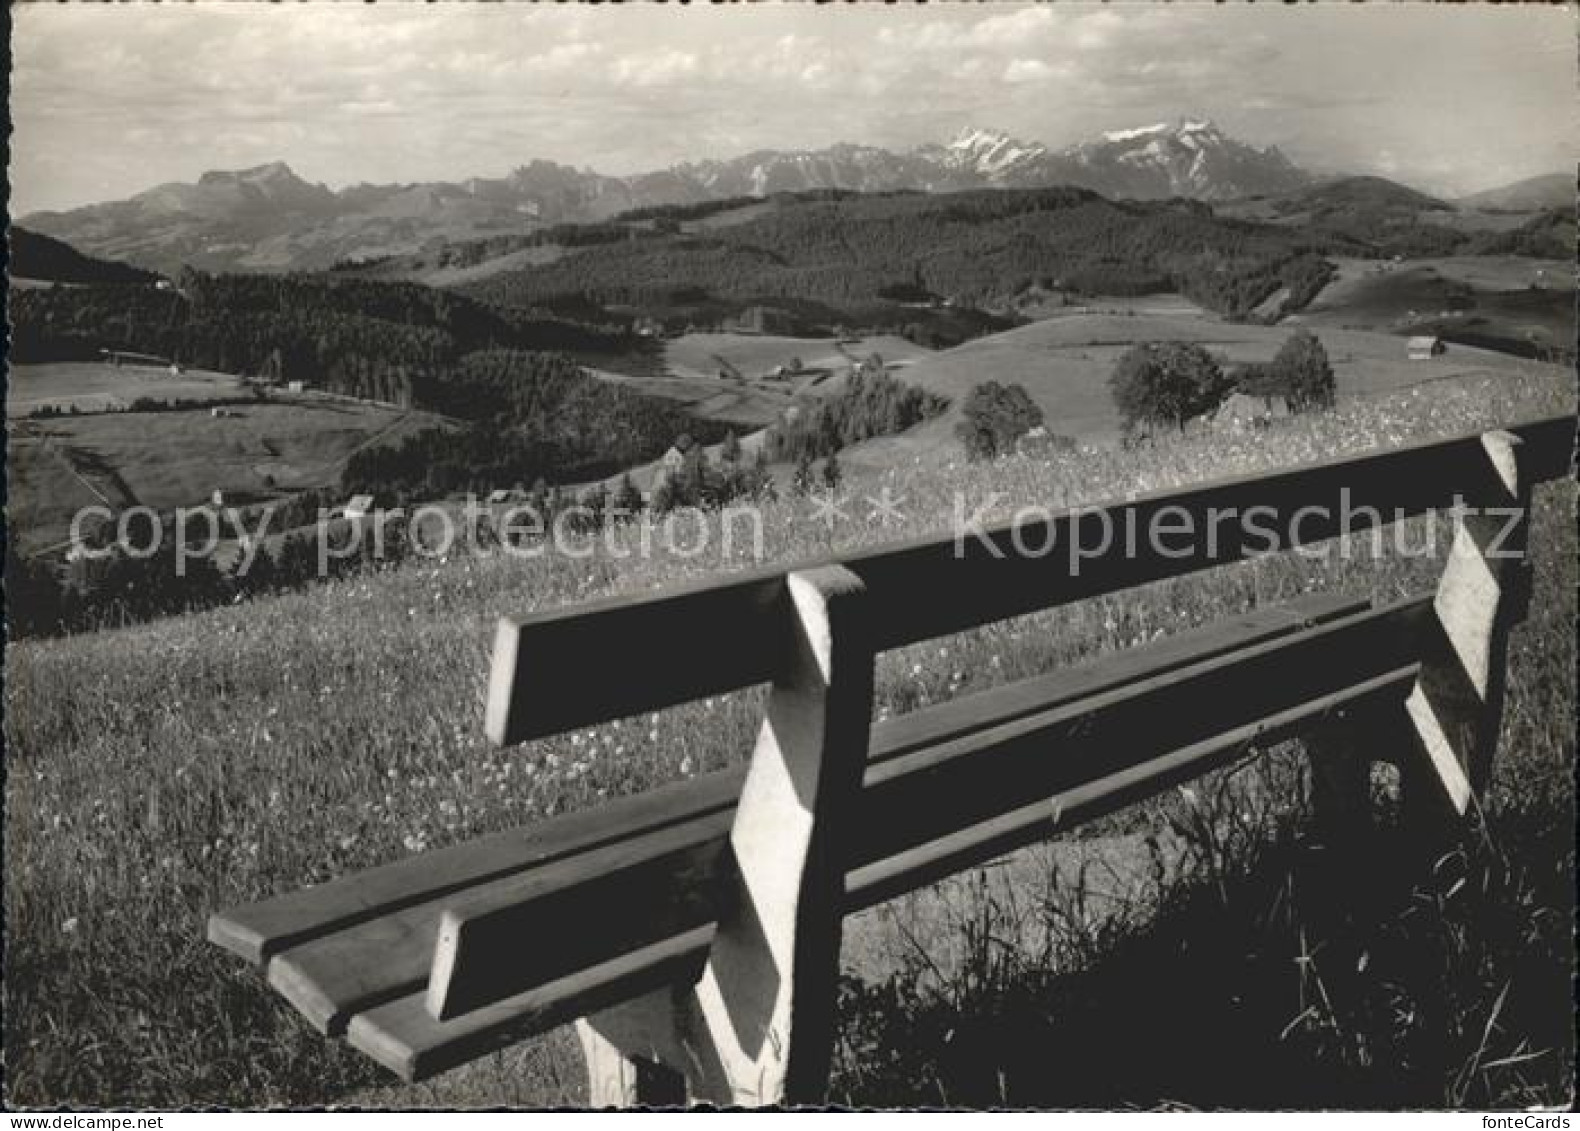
<point x="960" y="556"/>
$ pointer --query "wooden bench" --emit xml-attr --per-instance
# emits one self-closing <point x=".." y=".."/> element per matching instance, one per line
<point x="692" y="932"/>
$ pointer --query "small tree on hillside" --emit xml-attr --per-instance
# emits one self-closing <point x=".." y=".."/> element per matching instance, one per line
<point x="626" y="500"/>
<point x="995" y="417"/>
<point x="803" y="479"/>
<point x="833" y="475"/>
<point x="1158" y="383"/>
<point x="1301" y="367"/>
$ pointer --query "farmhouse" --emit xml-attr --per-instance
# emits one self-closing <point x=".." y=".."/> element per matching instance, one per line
<point x="295" y="386"/>
<point x="1424" y="347"/>
<point x="1242" y="411"/>
<point x="502" y="495"/>
<point x="358" y="506"/>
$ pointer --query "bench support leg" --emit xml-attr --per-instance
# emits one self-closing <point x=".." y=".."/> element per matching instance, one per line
<point x="758" y="1028"/>
<point x="620" y="1077"/>
<point x="1456" y="707"/>
<point x="1340" y="754"/>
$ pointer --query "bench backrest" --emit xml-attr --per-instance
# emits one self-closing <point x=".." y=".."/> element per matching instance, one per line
<point x="560" y="670"/>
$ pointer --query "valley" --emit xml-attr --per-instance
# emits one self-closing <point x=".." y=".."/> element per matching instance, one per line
<point x="717" y="316"/>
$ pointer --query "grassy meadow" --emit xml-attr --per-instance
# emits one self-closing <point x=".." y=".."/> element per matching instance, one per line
<point x="160" y="771"/>
<point x="180" y="457"/>
<point x="92" y="386"/>
<point x="1065" y="363"/>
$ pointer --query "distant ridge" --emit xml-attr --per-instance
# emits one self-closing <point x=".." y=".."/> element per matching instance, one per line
<point x="1551" y="190"/>
<point x="268" y="218"/>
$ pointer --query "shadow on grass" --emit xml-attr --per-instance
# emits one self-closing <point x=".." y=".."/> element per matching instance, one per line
<point x="1356" y="977"/>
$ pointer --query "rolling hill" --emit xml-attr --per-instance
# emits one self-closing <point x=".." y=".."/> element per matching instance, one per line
<point x="1551" y="190"/>
<point x="913" y="263"/>
<point x="1064" y="364"/>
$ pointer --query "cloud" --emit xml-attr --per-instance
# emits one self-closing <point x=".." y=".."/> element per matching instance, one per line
<point x="403" y="92"/>
<point x="1027" y="70"/>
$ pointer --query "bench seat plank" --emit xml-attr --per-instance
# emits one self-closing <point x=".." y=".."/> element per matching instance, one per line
<point x="405" y="1037"/>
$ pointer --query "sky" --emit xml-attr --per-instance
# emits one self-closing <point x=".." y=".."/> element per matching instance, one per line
<point x="108" y="100"/>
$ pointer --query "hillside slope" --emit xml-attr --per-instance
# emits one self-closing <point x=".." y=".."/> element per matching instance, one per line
<point x="1551" y="190"/>
<point x="1065" y="364"/>
<point x="38" y="258"/>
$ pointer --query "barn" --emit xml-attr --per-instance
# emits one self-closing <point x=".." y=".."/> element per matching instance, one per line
<point x="1424" y="347"/>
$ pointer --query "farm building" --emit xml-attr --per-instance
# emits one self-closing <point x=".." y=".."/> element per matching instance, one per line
<point x="127" y="357"/>
<point x="358" y="506"/>
<point x="1424" y="347"/>
<point x="502" y="495"/>
<point x="674" y="459"/>
<point x="295" y="386"/>
<point x="1242" y="411"/>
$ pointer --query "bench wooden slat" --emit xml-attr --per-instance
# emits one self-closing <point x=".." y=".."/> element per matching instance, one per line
<point x="586" y="665"/>
<point x="620" y="652"/>
<point x="926" y="795"/>
<point x="404" y="1035"/>
<point x="925" y="863"/>
<point x="384" y="1032"/>
<point x="339" y="948"/>
<point x="257" y="931"/>
<point x="549" y="923"/>
<point x="930" y="792"/>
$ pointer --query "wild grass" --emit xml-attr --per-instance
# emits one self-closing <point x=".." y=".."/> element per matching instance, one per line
<point x="158" y="772"/>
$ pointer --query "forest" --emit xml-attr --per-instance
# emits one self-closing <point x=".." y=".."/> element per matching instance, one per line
<point x="375" y="340"/>
<point x="885" y="259"/>
<point x="528" y="416"/>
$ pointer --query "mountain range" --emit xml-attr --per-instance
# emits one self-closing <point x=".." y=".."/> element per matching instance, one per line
<point x="268" y="218"/>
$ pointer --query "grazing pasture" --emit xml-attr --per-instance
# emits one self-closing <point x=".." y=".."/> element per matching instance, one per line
<point x="692" y="363"/>
<point x="164" y="770"/>
<point x="179" y="458"/>
<point x="700" y="356"/>
<point x="1065" y="363"/>
<point x="91" y="386"/>
<point x="1503" y="301"/>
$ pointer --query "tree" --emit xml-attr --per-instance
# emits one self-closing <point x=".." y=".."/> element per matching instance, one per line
<point x="1157" y="383"/>
<point x="833" y="475"/>
<point x="802" y="479"/>
<point x="664" y="496"/>
<point x="626" y="501"/>
<point x="1301" y="367"/>
<point x="995" y="417"/>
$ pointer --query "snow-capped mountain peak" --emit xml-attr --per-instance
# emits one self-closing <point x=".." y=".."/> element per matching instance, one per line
<point x="990" y="153"/>
<point x="1200" y="129"/>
